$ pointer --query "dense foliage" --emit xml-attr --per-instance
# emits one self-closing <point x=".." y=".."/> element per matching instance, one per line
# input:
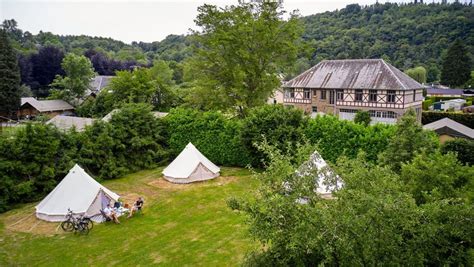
<point x="419" y="216"/>
<point x="32" y="163"/>
<point x="78" y="74"/>
<point x="406" y="35"/>
<point x="462" y="147"/>
<point x="133" y="140"/>
<point x="409" y="139"/>
<point x="362" y="117"/>
<point x="336" y="138"/>
<point x="241" y="51"/>
<point x="216" y="135"/>
<point x="457" y="65"/>
<point x="463" y="118"/>
<point x="37" y="156"/>
<point x="9" y="78"/>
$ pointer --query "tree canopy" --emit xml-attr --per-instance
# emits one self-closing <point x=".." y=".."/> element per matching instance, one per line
<point x="456" y="65"/>
<point x="241" y="51"/>
<point x="9" y="77"/>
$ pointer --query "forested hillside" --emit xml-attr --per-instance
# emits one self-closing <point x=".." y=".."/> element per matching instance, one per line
<point x="407" y="35"/>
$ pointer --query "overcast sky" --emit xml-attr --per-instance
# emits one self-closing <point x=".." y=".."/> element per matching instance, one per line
<point x="139" y="20"/>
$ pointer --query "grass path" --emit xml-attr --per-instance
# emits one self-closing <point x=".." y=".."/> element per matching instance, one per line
<point x="182" y="225"/>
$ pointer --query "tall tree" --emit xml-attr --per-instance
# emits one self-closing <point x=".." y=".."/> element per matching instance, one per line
<point x="79" y="72"/>
<point x="9" y="77"/>
<point x="409" y="139"/>
<point x="46" y="64"/>
<point x="241" y="51"/>
<point x="418" y="74"/>
<point x="456" y="65"/>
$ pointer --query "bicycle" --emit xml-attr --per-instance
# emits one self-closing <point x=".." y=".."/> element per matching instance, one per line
<point x="82" y="224"/>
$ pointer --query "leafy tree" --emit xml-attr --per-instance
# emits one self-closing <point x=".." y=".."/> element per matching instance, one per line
<point x="280" y="126"/>
<point x="241" y="51"/>
<point x="418" y="74"/>
<point x="462" y="147"/>
<point x="408" y="140"/>
<point x="9" y="78"/>
<point x="74" y="84"/>
<point x="373" y="219"/>
<point x="362" y="117"/>
<point x="456" y="65"/>
<point x="46" y="64"/>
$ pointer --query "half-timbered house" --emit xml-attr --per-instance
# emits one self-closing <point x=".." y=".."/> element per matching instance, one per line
<point x="342" y="87"/>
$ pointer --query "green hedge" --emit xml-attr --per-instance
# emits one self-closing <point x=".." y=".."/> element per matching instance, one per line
<point x="214" y="134"/>
<point x="463" y="118"/>
<point x="340" y="137"/>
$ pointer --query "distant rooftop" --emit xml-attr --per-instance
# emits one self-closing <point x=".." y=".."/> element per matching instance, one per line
<point x="157" y="114"/>
<point x="46" y="105"/>
<point x="437" y="91"/>
<point x="98" y="83"/>
<point x="68" y="122"/>
<point x="447" y="125"/>
<point x="354" y="74"/>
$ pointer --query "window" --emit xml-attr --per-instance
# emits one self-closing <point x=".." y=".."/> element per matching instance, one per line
<point x="340" y="94"/>
<point x="391" y="96"/>
<point x="373" y="95"/>
<point x="331" y="97"/>
<point x="348" y="110"/>
<point x="290" y="93"/>
<point x="383" y="114"/>
<point x="358" y="95"/>
<point x="306" y="94"/>
<point x="323" y="94"/>
<point x="414" y="95"/>
<point x="314" y="109"/>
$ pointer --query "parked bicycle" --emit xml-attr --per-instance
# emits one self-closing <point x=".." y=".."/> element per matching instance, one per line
<point x="81" y="224"/>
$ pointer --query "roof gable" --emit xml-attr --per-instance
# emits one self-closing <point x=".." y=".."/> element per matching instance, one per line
<point x="353" y="74"/>
<point x="46" y="105"/>
<point x="452" y="125"/>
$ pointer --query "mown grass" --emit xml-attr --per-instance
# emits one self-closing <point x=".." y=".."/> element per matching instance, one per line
<point x="181" y="226"/>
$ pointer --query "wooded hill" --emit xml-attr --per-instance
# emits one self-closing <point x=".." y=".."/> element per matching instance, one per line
<point x="406" y="35"/>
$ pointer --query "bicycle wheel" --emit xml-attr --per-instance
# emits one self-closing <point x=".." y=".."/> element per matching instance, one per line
<point x="89" y="223"/>
<point x="67" y="226"/>
<point x="83" y="228"/>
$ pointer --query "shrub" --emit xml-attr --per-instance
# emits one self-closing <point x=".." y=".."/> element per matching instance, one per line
<point x="463" y="118"/>
<point x="362" y="117"/>
<point x="214" y="134"/>
<point x="336" y="137"/>
<point x="133" y="140"/>
<point x="282" y="127"/>
<point x="462" y="147"/>
<point x="32" y="162"/>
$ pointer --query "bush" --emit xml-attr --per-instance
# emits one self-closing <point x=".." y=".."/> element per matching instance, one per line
<point x="214" y="134"/>
<point x="133" y="140"/>
<point x="464" y="118"/>
<point x="32" y="162"/>
<point x="362" y="117"/>
<point x="427" y="104"/>
<point x="282" y="127"/>
<point x="462" y="147"/>
<point x="336" y="137"/>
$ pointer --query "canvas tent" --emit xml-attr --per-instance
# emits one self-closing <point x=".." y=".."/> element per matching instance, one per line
<point x="328" y="181"/>
<point x="190" y="166"/>
<point x="79" y="192"/>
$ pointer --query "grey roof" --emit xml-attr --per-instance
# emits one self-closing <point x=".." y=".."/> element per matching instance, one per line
<point x="46" y="105"/>
<point x="354" y="74"/>
<point x="446" y="123"/>
<point x="68" y="122"/>
<point x="157" y="114"/>
<point x="438" y="91"/>
<point x="98" y="83"/>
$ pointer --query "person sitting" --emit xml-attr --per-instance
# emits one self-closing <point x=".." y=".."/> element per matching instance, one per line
<point x="110" y="213"/>
<point x="137" y="206"/>
<point x="117" y="205"/>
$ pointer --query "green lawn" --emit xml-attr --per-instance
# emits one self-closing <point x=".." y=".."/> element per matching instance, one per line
<point x="181" y="225"/>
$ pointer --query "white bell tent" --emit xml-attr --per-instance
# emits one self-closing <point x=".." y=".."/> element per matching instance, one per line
<point x="79" y="192"/>
<point x="328" y="181"/>
<point x="190" y="166"/>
